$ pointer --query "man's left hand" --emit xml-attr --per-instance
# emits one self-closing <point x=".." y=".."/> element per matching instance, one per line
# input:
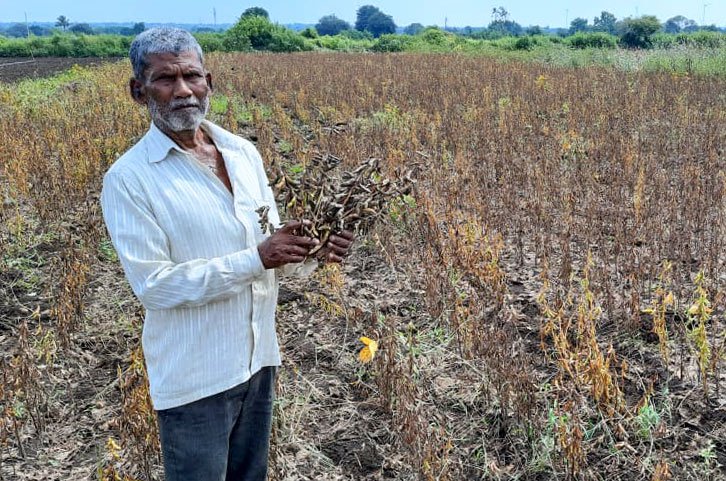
<point x="337" y="247"/>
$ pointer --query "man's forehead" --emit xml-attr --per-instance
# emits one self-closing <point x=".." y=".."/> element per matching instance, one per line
<point x="162" y="60"/>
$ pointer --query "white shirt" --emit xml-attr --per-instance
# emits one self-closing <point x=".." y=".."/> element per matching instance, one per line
<point x="189" y="250"/>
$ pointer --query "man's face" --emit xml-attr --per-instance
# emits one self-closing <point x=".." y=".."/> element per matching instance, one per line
<point x="176" y="90"/>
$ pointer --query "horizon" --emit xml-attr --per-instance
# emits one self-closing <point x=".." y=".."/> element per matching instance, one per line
<point x="460" y="14"/>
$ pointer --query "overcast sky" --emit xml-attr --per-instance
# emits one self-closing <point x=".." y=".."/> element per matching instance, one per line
<point x="457" y="13"/>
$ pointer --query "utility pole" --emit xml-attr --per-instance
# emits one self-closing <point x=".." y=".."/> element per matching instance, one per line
<point x="567" y="17"/>
<point x="703" y="18"/>
<point x="446" y="23"/>
<point x="27" y="27"/>
<point x="214" y="12"/>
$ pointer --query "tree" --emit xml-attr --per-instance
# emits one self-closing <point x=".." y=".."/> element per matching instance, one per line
<point x="363" y="15"/>
<point x="138" y="28"/>
<point x="533" y="30"/>
<point x="331" y="25"/>
<point x="501" y="25"/>
<point x="380" y="24"/>
<point x="309" y="32"/>
<point x="62" y="22"/>
<point x="371" y="19"/>
<point x="499" y="14"/>
<point x="605" y="23"/>
<point x="501" y="28"/>
<point x="257" y="32"/>
<point x="678" y="24"/>
<point x="82" y="28"/>
<point x="413" y="29"/>
<point x="256" y="12"/>
<point x="16" y="30"/>
<point x="579" y="25"/>
<point x="39" y="31"/>
<point x="638" y="32"/>
<point x="251" y="31"/>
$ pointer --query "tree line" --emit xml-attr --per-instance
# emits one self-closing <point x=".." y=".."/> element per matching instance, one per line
<point x="373" y="21"/>
<point x="373" y="30"/>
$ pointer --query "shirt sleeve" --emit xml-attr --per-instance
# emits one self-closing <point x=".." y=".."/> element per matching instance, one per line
<point x="143" y="250"/>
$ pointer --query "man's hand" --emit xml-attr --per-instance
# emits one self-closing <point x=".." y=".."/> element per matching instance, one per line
<point x="285" y="246"/>
<point x="337" y="247"/>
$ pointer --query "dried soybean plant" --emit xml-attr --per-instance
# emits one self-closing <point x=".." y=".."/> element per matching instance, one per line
<point x="353" y="200"/>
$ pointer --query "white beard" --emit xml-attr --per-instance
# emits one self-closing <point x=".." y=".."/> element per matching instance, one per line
<point x="166" y="118"/>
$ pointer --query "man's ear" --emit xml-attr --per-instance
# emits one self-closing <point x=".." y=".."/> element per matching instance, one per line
<point x="137" y="91"/>
<point x="209" y="81"/>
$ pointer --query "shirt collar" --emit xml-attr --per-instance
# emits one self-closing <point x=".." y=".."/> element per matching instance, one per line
<point x="159" y="145"/>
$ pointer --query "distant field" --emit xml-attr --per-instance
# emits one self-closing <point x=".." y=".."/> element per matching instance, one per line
<point x="13" y="69"/>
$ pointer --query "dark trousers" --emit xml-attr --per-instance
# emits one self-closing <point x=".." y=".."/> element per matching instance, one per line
<point x="224" y="437"/>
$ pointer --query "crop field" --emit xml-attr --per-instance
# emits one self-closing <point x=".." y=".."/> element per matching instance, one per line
<point x="549" y="301"/>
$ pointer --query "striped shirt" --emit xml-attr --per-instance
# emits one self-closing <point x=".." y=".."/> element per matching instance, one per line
<point x="189" y="250"/>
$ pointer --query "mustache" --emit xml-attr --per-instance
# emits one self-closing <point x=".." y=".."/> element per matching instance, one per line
<point x="179" y="104"/>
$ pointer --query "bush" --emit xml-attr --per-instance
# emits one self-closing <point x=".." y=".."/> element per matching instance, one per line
<point x="706" y="39"/>
<point x="285" y="40"/>
<point x="253" y="31"/>
<point x="699" y="39"/>
<point x="663" y="40"/>
<point x="14" y="47"/>
<point x="211" y="42"/>
<point x="505" y="43"/>
<point x="392" y="43"/>
<point x="357" y="35"/>
<point x="638" y="32"/>
<point x="258" y="33"/>
<point x="341" y="43"/>
<point x="309" y="32"/>
<point x="67" y="45"/>
<point x="434" y="36"/>
<point x="592" y="40"/>
<point x="61" y="46"/>
<point x="524" y="43"/>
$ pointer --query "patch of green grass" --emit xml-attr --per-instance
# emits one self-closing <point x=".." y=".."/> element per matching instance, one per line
<point x="218" y="104"/>
<point x="647" y="420"/>
<point x="33" y="93"/>
<point x="284" y="147"/>
<point x="107" y="252"/>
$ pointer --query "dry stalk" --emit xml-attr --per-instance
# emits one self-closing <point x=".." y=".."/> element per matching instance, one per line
<point x="354" y="201"/>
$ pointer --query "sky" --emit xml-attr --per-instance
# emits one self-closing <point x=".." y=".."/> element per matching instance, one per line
<point x="454" y="13"/>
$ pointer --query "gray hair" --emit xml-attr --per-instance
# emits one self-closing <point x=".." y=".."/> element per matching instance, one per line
<point x="161" y="40"/>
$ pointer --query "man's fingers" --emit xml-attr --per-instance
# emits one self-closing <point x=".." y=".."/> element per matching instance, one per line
<point x="297" y="251"/>
<point x="291" y="226"/>
<point x="307" y="242"/>
<point x="347" y="235"/>
<point x="337" y="241"/>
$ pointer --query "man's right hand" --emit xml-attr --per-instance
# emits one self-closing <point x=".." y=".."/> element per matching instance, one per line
<point x="285" y="246"/>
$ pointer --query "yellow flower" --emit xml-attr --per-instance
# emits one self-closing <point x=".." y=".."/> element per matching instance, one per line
<point x="542" y="81"/>
<point x="669" y="299"/>
<point x="369" y="351"/>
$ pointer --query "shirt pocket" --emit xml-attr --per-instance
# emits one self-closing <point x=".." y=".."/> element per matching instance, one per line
<point x="248" y="211"/>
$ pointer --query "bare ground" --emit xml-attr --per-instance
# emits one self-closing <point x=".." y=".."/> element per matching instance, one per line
<point x="14" y="69"/>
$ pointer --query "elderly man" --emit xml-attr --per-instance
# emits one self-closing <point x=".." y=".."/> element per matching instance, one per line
<point x="180" y="208"/>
